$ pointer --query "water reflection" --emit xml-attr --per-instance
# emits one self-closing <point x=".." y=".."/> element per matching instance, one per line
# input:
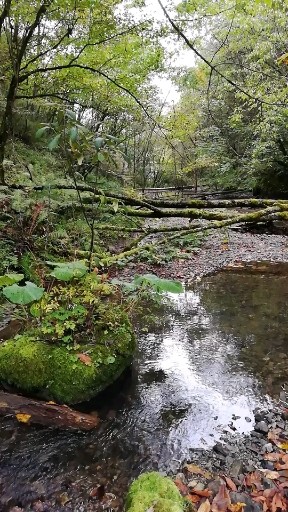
<point x="188" y="379"/>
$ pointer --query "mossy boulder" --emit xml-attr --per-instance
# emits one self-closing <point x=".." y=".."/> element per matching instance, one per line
<point x="155" y="492"/>
<point x="53" y="372"/>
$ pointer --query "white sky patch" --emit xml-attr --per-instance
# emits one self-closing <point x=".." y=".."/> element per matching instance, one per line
<point x="182" y="58"/>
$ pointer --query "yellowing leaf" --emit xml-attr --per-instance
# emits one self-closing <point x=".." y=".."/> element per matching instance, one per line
<point x="192" y="468"/>
<point x="237" y="507"/>
<point x="23" y="418"/>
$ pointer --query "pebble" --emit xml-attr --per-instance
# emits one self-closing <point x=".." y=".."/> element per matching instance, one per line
<point x="192" y="483"/>
<point x="221" y="449"/>
<point x="268" y="447"/>
<point x="248" y="419"/>
<point x="261" y="427"/>
<point x="199" y="487"/>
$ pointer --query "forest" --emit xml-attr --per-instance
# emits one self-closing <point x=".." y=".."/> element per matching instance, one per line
<point x="143" y="145"/>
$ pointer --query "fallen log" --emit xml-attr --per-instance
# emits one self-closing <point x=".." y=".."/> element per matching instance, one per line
<point x="28" y="410"/>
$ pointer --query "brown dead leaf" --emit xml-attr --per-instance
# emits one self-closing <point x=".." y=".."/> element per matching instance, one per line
<point x="230" y="483"/>
<point x="192" y="468"/>
<point x="193" y="498"/>
<point x="184" y="489"/>
<point x="279" y="502"/>
<point x="205" y="507"/>
<point x="284" y="473"/>
<point x="273" y="457"/>
<point x="205" y="494"/>
<point x="281" y="466"/>
<point x="222" y="500"/>
<point x="84" y="358"/>
<point x="253" y="480"/>
<point x="271" y="475"/>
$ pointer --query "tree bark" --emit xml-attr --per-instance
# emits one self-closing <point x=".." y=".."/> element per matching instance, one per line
<point x="27" y="410"/>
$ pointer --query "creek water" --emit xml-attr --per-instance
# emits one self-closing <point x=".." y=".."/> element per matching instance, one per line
<point x="220" y="350"/>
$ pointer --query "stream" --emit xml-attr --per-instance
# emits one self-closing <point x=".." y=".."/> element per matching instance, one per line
<point x="220" y="351"/>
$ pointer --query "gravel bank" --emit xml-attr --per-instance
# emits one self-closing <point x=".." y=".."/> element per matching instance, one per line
<point x="218" y="250"/>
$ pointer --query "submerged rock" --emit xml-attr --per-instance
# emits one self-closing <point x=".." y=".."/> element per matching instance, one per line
<point x="53" y="372"/>
<point x="151" y="491"/>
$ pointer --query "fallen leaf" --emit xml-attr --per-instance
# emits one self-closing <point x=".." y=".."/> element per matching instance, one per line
<point x="273" y="456"/>
<point x="278" y="502"/>
<point x="281" y="466"/>
<point x="282" y="444"/>
<point x="192" y="468"/>
<point x="184" y="489"/>
<point x="205" y="494"/>
<point x="23" y="418"/>
<point x="237" y="507"/>
<point x="222" y="500"/>
<point x="51" y="403"/>
<point x="284" y="473"/>
<point x="205" y="507"/>
<point x="253" y="480"/>
<point x="271" y="475"/>
<point x="230" y="483"/>
<point x="193" y="499"/>
<point x="84" y="358"/>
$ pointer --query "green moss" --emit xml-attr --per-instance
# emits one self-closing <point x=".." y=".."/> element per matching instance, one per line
<point x="154" y="490"/>
<point x="23" y="363"/>
<point x="56" y="373"/>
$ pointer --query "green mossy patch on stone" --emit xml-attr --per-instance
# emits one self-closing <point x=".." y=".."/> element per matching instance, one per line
<point x="55" y="373"/>
<point x="151" y="490"/>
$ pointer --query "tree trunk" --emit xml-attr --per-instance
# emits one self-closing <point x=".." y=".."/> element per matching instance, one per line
<point x="7" y="125"/>
<point x="27" y="410"/>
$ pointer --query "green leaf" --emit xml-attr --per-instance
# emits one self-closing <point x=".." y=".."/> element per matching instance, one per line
<point x="101" y="157"/>
<point x="115" y="206"/>
<point x="110" y="360"/>
<point x="23" y="294"/>
<point x="41" y="132"/>
<point x="68" y="271"/>
<point x="9" y="279"/>
<point x="54" y="142"/>
<point x="158" y="284"/>
<point x="71" y="115"/>
<point x="99" y="142"/>
<point x="73" y="134"/>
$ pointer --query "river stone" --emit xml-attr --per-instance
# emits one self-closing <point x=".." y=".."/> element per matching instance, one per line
<point x="261" y="427"/>
<point x="52" y="372"/>
<point x="151" y="491"/>
<point x="221" y="449"/>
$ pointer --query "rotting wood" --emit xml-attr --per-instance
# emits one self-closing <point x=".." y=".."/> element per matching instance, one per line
<point x="28" y="410"/>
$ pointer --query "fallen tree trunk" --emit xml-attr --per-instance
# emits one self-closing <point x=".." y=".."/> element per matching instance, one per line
<point x="215" y="203"/>
<point x="213" y="224"/>
<point x="28" y="410"/>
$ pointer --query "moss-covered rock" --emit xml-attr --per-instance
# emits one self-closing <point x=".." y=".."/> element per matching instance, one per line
<point x="55" y="373"/>
<point x="151" y="490"/>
